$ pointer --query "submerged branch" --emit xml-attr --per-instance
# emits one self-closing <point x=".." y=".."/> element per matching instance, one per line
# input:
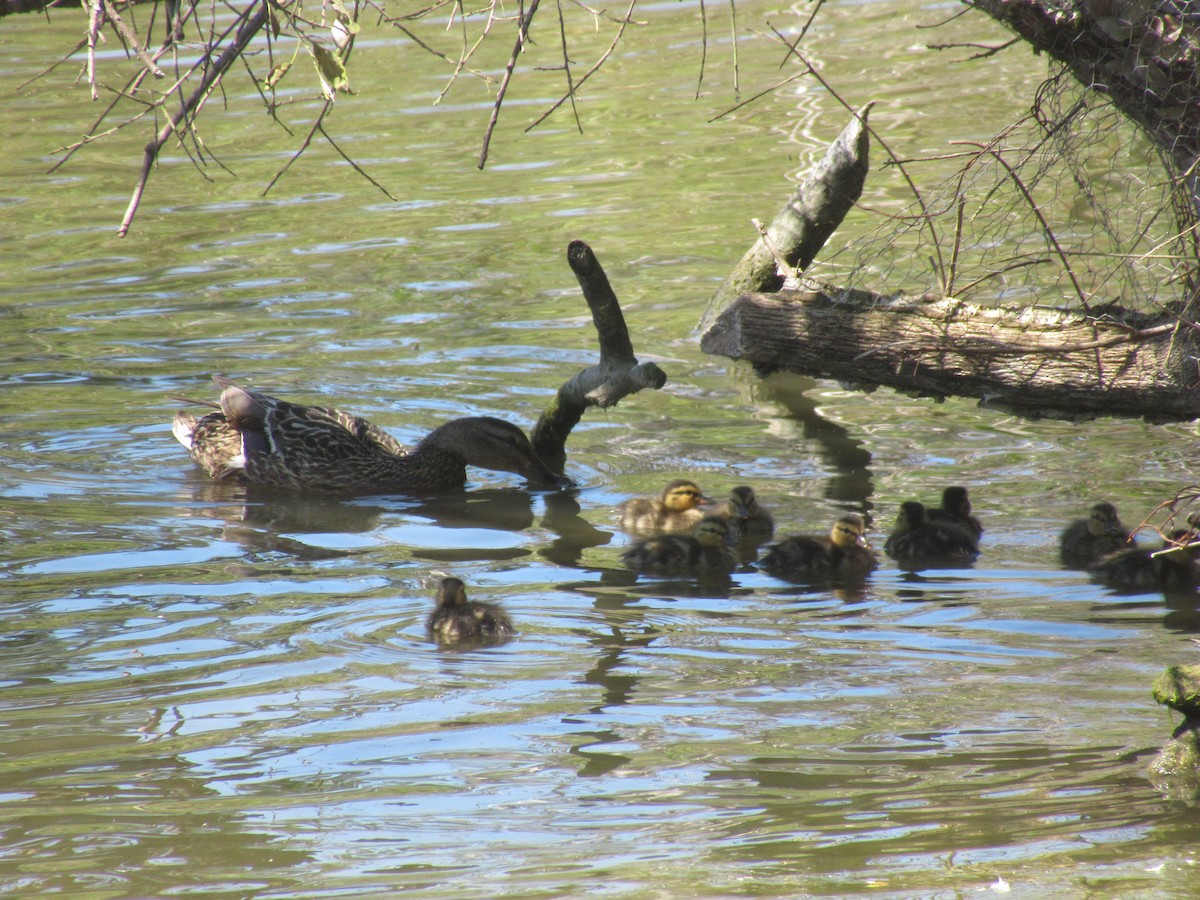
<point x="617" y="375"/>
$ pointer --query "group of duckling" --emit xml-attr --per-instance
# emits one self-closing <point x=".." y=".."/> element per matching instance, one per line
<point x="680" y="538"/>
<point x="256" y="439"/>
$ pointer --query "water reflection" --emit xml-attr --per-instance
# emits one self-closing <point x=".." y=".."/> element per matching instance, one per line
<point x="845" y="456"/>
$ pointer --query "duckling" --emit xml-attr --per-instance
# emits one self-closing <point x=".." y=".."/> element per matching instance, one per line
<point x="1085" y="541"/>
<point x="915" y="540"/>
<point x="705" y="551"/>
<point x="843" y="554"/>
<point x="1143" y="569"/>
<point x="750" y="520"/>
<point x="675" y="509"/>
<point x="956" y="509"/>
<point x="260" y="440"/>
<point x="458" y="619"/>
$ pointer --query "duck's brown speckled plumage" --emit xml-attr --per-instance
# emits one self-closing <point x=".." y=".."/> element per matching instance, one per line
<point x="918" y="541"/>
<point x="705" y="551"/>
<point x="458" y="619"/>
<point x="842" y="555"/>
<point x="1143" y="569"/>
<point x="261" y="440"/>
<point x="956" y="509"/>
<point x="1085" y="541"/>
<point x="677" y="508"/>
<point x="750" y="520"/>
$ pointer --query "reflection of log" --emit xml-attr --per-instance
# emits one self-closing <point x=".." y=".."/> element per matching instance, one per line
<point x="617" y="375"/>
<point x="800" y="229"/>
<point x="1032" y="360"/>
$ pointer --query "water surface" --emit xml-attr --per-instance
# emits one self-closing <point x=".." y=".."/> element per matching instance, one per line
<point x="209" y="691"/>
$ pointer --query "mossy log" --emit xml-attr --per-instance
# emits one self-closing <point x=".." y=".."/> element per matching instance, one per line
<point x="1176" y="769"/>
<point x="617" y="375"/>
<point x="1031" y="360"/>
<point x="822" y="198"/>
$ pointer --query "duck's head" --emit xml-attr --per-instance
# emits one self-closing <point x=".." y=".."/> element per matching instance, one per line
<point x="451" y="594"/>
<point x="849" y="531"/>
<point x="956" y="501"/>
<point x="713" y="531"/>
<point x="1102" y="520"/>
<point x="491" y="443"/>
<point x="743" y="502"/>
<point x="912" y="515"/>
<point x="681" y="495"/>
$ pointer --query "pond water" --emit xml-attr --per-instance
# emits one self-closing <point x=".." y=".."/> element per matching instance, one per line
<point x="213" y="693"/>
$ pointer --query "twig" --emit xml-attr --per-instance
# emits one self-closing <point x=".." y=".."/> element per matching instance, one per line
<point x="249" y="26"/>
<point x="588" y="74"/>
<point x="1046" y="229"/>
<point x="522" y="36"/>
<point x="562" y="33"/>
<point x="303" y="146"/>
<point x="785" y="268"/>
<point x="357" y="168"/>
<point x="132" y="40"/>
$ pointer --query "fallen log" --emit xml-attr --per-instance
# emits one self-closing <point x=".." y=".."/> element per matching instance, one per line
<point x="1035" y="361"/>
<point x="822" y="198"/>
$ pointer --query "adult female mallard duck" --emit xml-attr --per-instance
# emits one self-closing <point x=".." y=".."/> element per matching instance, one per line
<point x="677" y="508"/>
<point x="1085" y="541"/>
<point x="917" y="541"/>
<point x="842" y="555"/>
<point x="458" y="619"/>
<point x="258" y="439"/>
<point x="956" y="509"/>
<point x="706" y="551"/>
<point x="749" y="519"/>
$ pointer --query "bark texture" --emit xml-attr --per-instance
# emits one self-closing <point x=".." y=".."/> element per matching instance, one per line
<point x="1031" y="360"/>
<point x="813" y="213"/>
<point x="1144" y="55"/>
<point x="617" y="375"/>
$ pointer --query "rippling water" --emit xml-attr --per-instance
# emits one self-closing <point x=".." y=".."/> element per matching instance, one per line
<point x="206" y="691"/>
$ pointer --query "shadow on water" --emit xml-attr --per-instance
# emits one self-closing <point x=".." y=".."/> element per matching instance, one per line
<point x="271" y="521"/>
<point x="850" y="482"/>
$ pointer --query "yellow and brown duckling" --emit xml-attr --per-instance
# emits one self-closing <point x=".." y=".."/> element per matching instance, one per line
<point x="916" y="541"/>
<point x="677" y="508"/>
<point x="1172" y="567"/>
<point x="956" y="509"/>
<point x="750" y="520"/>
<point x="1085" y="541"/>
<point x="256" y="439"/>
<point x="704" y="552"/>
<point x="456" y="618"/>
<point x="842" y="555"/>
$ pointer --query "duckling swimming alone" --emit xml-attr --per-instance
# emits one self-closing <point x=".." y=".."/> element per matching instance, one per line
<point x="843" y="554"/>
<point x="260" y="440"/>
<point x="458" y="619"/>
<point x="675" y="509"/>
<point x="1143" y="569"/>
<point x="1085" y="541"/>
<point x="705" y="551"/>
<point x="917" y="541"/>
<point x="750" y="520"/>
<point x="956" y="509"/>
